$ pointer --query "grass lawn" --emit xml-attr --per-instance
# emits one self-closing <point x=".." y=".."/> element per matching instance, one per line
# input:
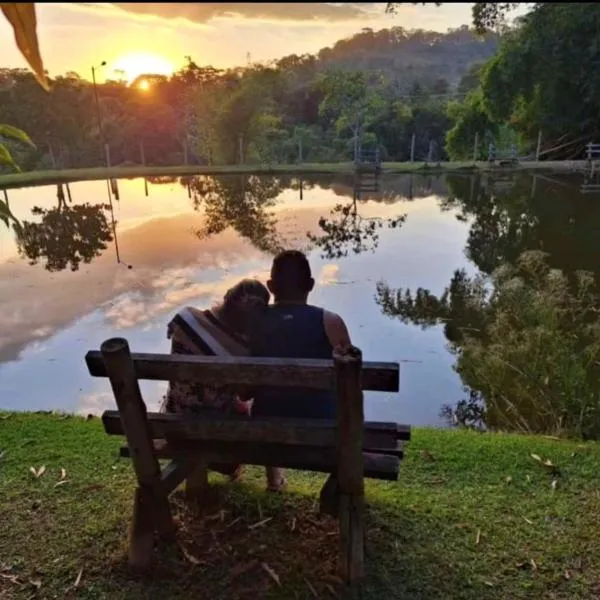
<point x="473" y="516"/>
<point x="57" y="176"/>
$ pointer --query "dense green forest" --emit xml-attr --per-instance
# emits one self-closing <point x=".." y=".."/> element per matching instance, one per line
<point x="494" y="82"/>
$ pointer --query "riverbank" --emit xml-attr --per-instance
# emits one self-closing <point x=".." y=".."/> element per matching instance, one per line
<point x="31" y="178"/>
<point x="473" y="516"/>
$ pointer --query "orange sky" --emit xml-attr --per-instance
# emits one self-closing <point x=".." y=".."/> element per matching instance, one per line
<point x="221" y="34"/>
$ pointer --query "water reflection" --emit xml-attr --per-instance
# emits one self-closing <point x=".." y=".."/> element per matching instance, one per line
<point x="524" y="330"/>
<point x="66" y="235"/>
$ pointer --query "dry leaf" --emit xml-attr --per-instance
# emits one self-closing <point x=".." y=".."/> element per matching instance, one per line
<point x="271" y="573"/>
<point x="533" y="565"/>
<point x="552" y="437"/>
<point x="522" y="565"/>
<point x="21" y="15"/>
<point x="554" y="484"/>
<point x="244" y="568"/>
<point x="536" y="457"/>
<point x="528" y="477"/>
<point x="311" y="588"/>
<point x="62" y="482"/>
<point x="79" y="576"/>
<point x="567" y="574"/>
<point x="489" y="583"/>
<point x="63" y="474"/>
<point x="478" y="538"/>
<point x="36" y="583"/>
<point x="260" y="523"/>
<point x="39" y="472"/>
<point x="427" y="455"/>
<point x="528" y="521"/>
<point x="508" y="479"/>
<point x="548" y="463"/>
<point x="293" y="524"/>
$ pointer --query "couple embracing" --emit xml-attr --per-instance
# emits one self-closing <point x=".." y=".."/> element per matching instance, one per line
<point x="245" y="324"/>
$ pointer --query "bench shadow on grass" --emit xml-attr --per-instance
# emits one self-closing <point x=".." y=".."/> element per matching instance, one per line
<point x="242" y="544"/>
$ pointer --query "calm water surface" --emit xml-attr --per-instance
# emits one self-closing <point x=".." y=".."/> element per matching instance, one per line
<point x="187" y="241"/>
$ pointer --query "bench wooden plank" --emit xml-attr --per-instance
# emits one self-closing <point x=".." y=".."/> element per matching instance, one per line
<point x="225" y="370"/>
<point x="236" y="428"/>
<point x="376" y="466"/>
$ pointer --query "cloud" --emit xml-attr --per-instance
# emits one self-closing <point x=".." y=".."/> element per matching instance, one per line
<point x="202" y="12"/>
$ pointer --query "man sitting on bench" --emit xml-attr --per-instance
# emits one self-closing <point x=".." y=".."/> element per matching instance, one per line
<point x="292" y="328"/>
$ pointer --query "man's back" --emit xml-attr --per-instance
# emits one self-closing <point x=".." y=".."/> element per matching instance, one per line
<point x="293" y="331"/>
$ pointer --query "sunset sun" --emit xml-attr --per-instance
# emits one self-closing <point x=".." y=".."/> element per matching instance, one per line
<point x="134" y="65"/>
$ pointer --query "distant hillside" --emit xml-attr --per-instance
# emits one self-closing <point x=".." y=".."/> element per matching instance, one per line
<point x="408" y="56"/>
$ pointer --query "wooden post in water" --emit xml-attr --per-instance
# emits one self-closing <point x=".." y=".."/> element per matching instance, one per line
<point x="476" y="147"/>
<point x="350" y="467"/>
<point x="412" y="148"/>
<point x="539" y="146"/>
<point x="69" y="192"/>
<point x="146" y="187"/>
<point x="301" y="189"/>
<point x="107" y="154"/>
<point x="151" y="506"/>
<point x="142" y="154"/>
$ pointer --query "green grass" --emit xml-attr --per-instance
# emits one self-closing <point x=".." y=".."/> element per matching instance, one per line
<point x="473" y="516"/>
<point x="93" y="173"/>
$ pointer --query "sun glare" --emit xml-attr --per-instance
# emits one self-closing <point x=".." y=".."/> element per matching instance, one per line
<point x="134" y="65"/>
<point x="144" y="85"/>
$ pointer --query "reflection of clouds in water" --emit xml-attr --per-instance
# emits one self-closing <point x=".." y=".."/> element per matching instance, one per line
<point x="173" y="291"/>
<point x="328" y="275"/>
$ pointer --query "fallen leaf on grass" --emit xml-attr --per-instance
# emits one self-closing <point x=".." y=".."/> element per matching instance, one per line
<point x="527" y="520"/>
<point x="554" y="484"/>
<point x="63" y="474"/>
<point x="567" y="574"/>
<point x="311" y="588"/>
<point x="271" y="573"/>
<point x="522" y="565"/>
<point x="39" y="472"/>
<point x="478" y="538"/>
<point x="293" y="524"/>
<point x="61" y="482"/>
<point x="489" y="583"/>
<point x="260" y="523"/>
<point x="533" y="564"/>
<point x="79" y="576"/>
<point x="244" y="568"/>
<point x="427" y="455"/>
<point x="508" y="479"/>
<point x="536" y="457"/>
<point x="36" y="583"/>
<point x="552" y="437"/>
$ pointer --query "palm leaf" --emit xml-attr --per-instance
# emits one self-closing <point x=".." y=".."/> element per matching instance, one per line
<point x="8" y="131"/>
<point x="7" y="159"/>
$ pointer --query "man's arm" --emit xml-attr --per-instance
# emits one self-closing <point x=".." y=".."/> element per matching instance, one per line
<point x="336" y="330"/>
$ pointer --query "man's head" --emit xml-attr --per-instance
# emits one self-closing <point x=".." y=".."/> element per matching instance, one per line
<point x="291" y="279"/>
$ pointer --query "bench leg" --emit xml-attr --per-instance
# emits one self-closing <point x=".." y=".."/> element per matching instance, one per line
<point x="197" y="482"/>
<point x="141" y="536"/>
<point x="329" y="498"/>
<point x="352" y="541"/>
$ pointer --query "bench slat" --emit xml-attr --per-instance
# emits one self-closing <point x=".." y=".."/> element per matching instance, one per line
<point x="376" y="466"/>
<point x="315" y="374"/>
<point x="236" y="428"/>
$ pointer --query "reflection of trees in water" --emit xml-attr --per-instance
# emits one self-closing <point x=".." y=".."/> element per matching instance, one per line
<point x="65" y="236"/>
<point x="525" y="331"/>
<point x="242" y="202"/>
<point x="347" y="231"/>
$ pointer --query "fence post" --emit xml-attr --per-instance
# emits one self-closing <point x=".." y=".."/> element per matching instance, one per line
<point x="539" y="146"/>
<point x="412" y="148"/>
<point x="476" y="147"/>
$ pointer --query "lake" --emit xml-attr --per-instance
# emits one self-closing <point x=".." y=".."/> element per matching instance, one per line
<point x="76" y="278"/>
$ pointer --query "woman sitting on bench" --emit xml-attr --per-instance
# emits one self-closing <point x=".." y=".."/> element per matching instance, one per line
<point x="219" y="331"/>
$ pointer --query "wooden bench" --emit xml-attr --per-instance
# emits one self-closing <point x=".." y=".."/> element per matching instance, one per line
<point x="348" y="448"/>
